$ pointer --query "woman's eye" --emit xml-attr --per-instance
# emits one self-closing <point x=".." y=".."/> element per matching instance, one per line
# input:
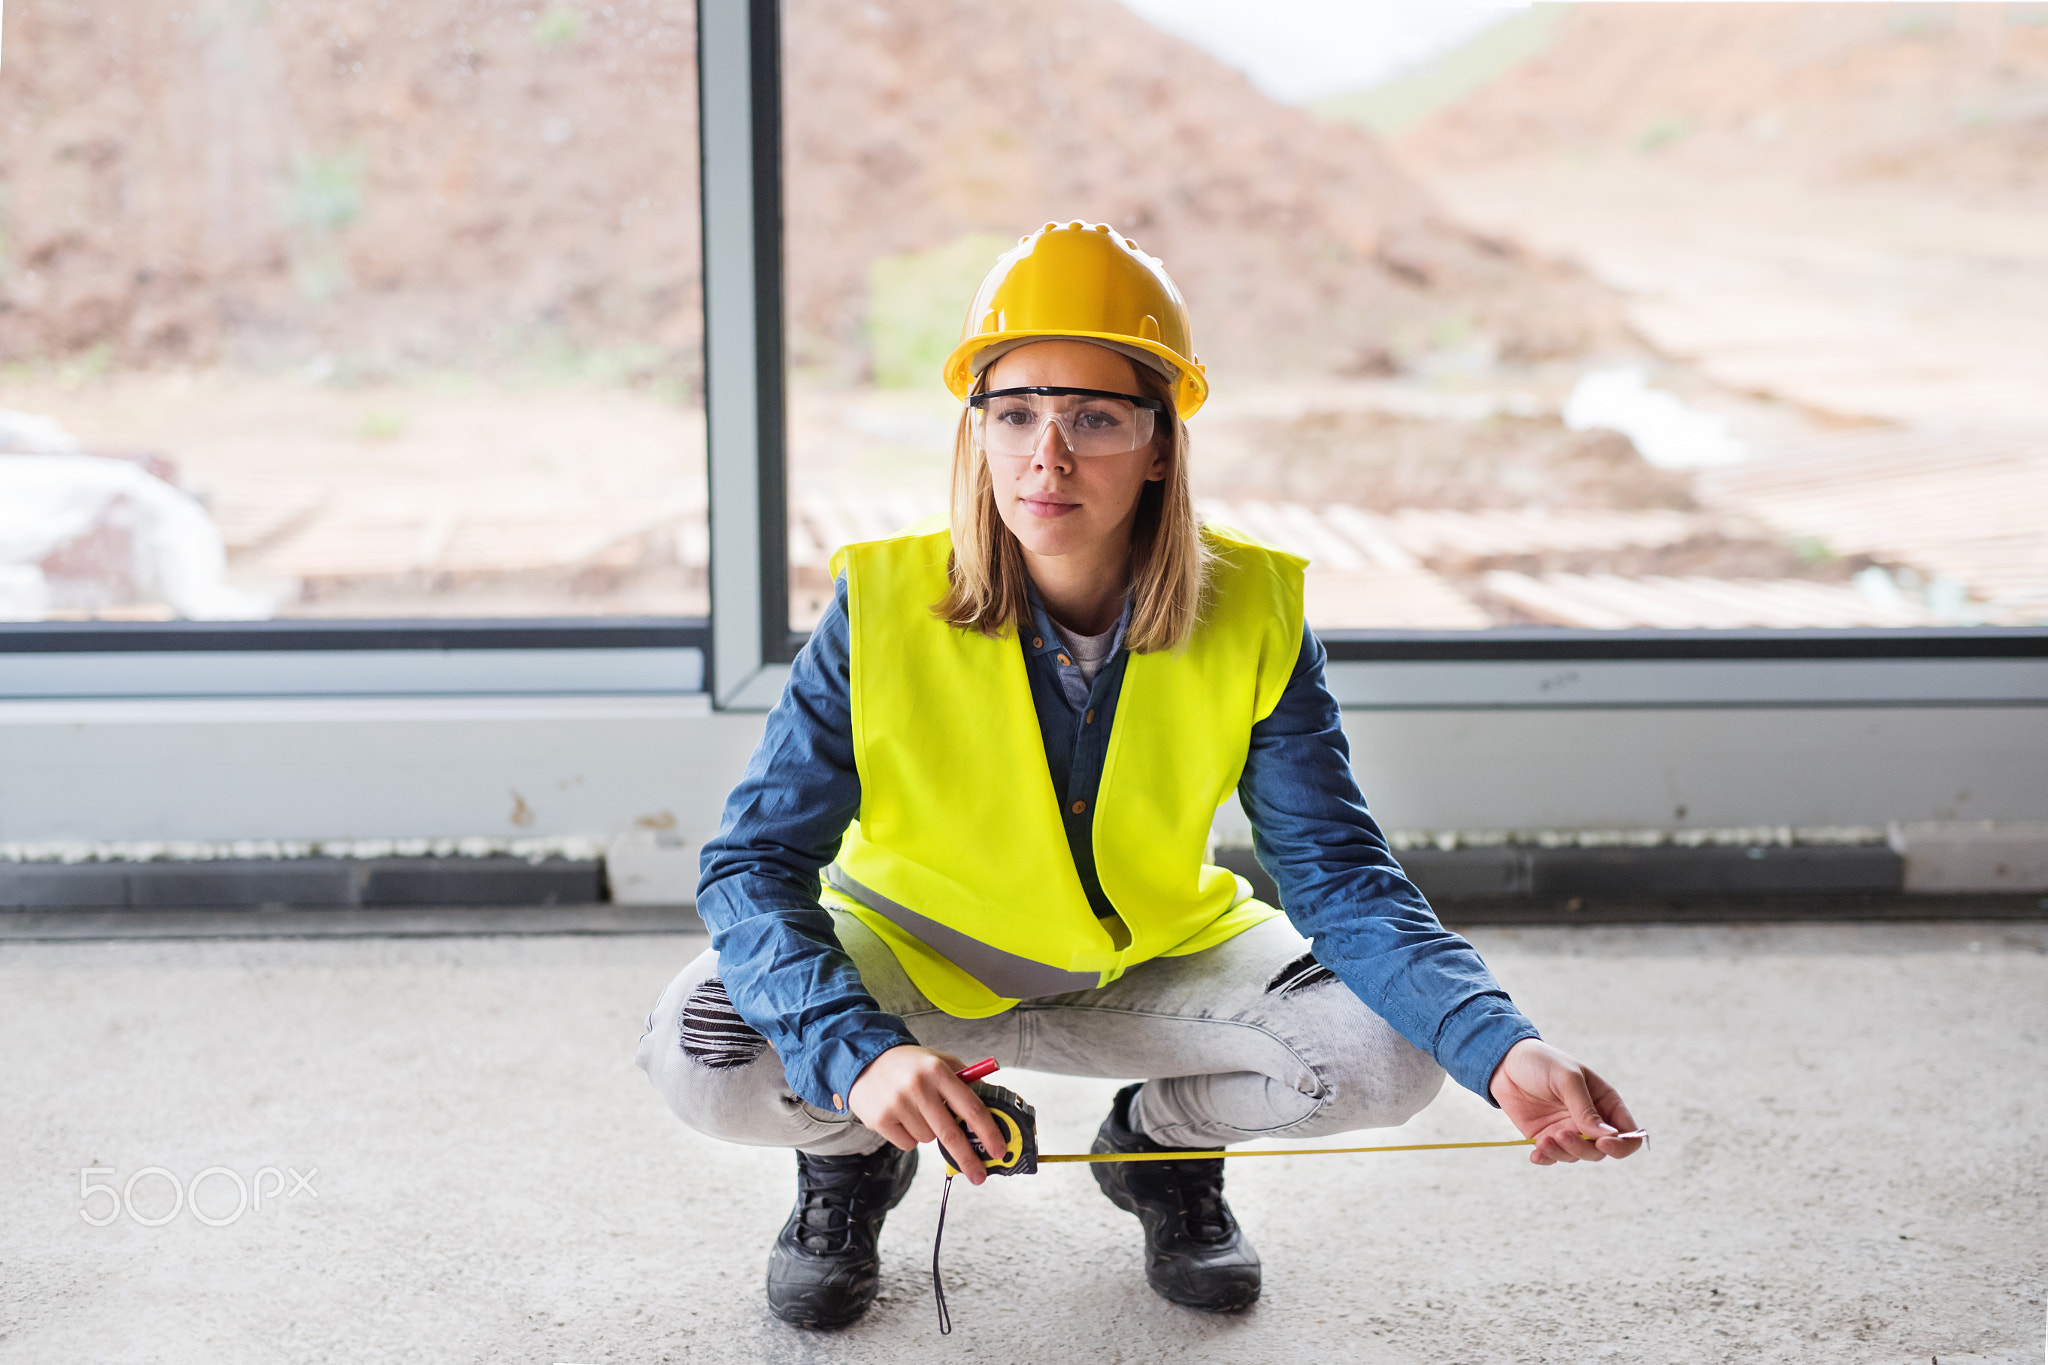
<point x="1013" y="417"/>
<point x="1096" y="421"/>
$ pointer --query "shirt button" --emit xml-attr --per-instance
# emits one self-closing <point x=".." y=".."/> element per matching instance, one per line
<point x="838" y="1103"/>
<point x="1080" y="806"/>
<point x="1065" y="660"/>
<point x="1089" y="719"/>
<point x="1037" y="642"/>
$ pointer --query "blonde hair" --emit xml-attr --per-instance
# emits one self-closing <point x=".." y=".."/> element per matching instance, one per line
<point x="1169" y="559"/>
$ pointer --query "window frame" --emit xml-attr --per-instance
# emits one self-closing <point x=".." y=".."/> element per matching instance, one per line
<point x="745" y="645"/>
<point x="1543" y="644"/>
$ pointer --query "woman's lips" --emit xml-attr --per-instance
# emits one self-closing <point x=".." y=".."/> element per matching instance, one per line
<point x="1046" y="507"/>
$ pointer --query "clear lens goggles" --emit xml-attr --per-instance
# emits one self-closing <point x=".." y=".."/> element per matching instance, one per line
<point x="1012" y="422"/>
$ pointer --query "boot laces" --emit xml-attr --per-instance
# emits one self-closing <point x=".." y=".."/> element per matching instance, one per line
<point x="1198" y="1182"/>
<point x="828" y="1193"/>
<point x="1203" y="1212"/>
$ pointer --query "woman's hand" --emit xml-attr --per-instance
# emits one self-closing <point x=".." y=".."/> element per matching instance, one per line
<point x="1561" y="1104"/>
<point x="912" y="1094"/>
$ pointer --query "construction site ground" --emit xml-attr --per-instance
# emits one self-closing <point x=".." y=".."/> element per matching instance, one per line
<point x="1846" y="1165"/>
<point x="1877" y="352"/>
<point x="1881" y="346"/>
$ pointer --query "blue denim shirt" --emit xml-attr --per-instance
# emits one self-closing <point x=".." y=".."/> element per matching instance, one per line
<point x="1339" y="883"/>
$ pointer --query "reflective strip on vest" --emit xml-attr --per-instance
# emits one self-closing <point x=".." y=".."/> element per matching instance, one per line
<point x="1006" y="974"/>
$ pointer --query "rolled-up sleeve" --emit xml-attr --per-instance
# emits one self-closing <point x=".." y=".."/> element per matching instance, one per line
<point x="758" y="887"/>
<point x="1344" y="890"/>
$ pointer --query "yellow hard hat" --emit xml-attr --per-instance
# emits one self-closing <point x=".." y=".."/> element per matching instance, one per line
<point x="1088" y="281"/>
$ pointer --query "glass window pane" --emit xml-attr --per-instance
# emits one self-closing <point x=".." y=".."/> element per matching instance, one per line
<point x="323" y="309"/>
<point x="1585" y="316"/>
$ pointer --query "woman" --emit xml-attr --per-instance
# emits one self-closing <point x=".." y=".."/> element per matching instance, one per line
<point x="978" y="818"/>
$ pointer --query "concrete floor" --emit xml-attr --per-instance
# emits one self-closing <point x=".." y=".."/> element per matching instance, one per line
<point x="1850" y="1162"/>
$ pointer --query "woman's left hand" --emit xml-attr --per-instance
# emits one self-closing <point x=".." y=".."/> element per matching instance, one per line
<point x="1572" y="1113"/>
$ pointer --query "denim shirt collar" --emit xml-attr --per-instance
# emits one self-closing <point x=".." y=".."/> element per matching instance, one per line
<point x="1048" y="651"/>
<point x="1045" y="640"/>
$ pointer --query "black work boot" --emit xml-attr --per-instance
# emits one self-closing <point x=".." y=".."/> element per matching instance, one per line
<point x="824" y="1269"/>
<point x="1195" y="1253"/>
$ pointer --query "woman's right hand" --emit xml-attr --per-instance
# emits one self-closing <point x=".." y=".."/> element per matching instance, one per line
<point x="912" y="1094"/>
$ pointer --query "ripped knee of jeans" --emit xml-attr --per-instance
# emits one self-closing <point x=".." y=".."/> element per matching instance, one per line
<point x="1304" y="973"/>
<point x="713" y="1034"/>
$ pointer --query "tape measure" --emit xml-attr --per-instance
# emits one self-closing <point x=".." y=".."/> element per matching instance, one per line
<point x="1019" y="1122"/>
<point x="1020" y="1156"/>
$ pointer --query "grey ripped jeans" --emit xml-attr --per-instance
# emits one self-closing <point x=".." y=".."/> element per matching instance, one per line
<point x="1250" y="1039"/>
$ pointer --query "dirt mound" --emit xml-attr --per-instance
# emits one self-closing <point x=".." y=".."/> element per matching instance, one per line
<point x="259" y="182"/>
<point x="451" y="180"/>
<point x="1299" y="244"/>
<point x="1954" y="96"/>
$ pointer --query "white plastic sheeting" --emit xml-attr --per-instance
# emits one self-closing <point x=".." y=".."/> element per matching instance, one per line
<point x="1667" y="432"/>
<point x="51" y="498"/>
<point x="26" y="433"/>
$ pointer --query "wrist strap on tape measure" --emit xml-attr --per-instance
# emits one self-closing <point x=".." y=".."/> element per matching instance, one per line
<point x="1019" y="1122"/>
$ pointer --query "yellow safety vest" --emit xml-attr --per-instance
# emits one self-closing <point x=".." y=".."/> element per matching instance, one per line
<point x="959" y="860"/>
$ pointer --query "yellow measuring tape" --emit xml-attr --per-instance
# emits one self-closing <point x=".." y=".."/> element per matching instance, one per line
<point x="1020" y="1155"/>
<point x="1043" y="1158"/>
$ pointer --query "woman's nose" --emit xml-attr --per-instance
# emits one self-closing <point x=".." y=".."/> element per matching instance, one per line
<point x="1053" y="448"/>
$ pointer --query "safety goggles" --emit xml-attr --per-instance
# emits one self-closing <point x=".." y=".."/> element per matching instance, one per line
<point x="1012" y="422"/>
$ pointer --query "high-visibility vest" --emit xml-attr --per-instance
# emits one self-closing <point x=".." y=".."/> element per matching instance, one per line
<point x="959" y="859"/>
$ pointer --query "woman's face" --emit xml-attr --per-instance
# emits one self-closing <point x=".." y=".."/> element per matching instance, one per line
<point x="1053" y="501"/>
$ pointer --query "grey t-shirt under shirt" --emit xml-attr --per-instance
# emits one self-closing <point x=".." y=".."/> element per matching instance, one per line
<point x="1089" y="652"/>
